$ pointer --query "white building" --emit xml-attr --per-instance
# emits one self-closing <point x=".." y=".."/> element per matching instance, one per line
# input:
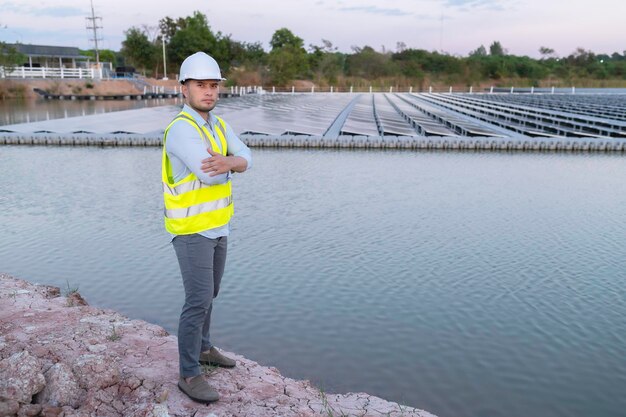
<point x="43" y="61"/>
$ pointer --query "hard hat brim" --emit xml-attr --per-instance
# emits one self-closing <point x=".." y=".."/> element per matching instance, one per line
<point x="203" y="79"/>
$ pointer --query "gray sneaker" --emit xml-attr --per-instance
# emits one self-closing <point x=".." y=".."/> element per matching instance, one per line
<point x="198" y="389"/>
<point x="214" y="358"/>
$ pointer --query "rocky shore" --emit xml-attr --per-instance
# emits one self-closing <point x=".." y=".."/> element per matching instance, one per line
<point x="60" y="357"/>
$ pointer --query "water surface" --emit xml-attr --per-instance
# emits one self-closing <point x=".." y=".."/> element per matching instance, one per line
<point x="466" y="284"/>
<point x="13" y="111"/>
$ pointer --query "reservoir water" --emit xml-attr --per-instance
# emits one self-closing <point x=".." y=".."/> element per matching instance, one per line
<point x="467" y="284"/>
<point x="34" y="110"/>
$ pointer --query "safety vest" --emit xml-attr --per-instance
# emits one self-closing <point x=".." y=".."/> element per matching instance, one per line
<point x="190" y="205"/>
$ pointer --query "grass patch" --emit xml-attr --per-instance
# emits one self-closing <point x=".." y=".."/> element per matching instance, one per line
<point x="327" y="409"/>
<point x="69" y="290"/>
<point x="10" y="89"/>
<point x="208" y="369"/>
<point x="114" y="336"/>
<point x="55" y="88"/>
<point x="69" y="293"/>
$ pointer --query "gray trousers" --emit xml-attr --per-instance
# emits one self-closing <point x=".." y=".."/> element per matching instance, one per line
<point x="201" y="262"/>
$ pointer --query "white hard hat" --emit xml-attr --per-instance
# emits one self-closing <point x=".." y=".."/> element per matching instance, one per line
<point x="200" y="66"/>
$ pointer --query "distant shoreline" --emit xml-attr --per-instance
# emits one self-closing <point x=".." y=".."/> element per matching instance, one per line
<point x="25" y="88"/>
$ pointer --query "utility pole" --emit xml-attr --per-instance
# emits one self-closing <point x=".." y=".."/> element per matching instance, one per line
<point x="164" y="64"/>
<point x="92" y="23"/>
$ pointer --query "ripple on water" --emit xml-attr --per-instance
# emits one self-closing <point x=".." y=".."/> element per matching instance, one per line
<point x="468" y="284"/>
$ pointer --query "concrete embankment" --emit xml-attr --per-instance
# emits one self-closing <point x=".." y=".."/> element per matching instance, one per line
<point x="62" y="357"/>
<point x="25" y="88"/>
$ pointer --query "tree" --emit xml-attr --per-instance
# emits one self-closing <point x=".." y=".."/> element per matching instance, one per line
<point x="368" y="63"/>
<point x="325" y="47"/>
<point x="287" y="59"/>
<point x="496" y="49"/>
<point x="584" y="63"/>
<point x="546" y="52"/>
<point x="525" y="67"/>
<point x="480" y="51"/>
<point x="10" y="57"/>
<point x="253" y="54"/>
<point x="169" y="26"/>
<point x="325" y="62"/>
<point x="410" y="63"/>
<point x="193" y="35"/>
<point x="106" y="55"/>
<point x="137" y="50"/>
<point x="284" y="37"/>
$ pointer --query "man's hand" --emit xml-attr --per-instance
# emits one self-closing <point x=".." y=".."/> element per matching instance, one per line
<point x="216" y="164"/>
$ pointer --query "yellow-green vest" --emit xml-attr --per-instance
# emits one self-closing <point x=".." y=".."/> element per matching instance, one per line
<point x="190" y="205"/>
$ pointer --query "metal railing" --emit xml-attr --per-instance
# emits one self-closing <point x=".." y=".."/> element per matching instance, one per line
<point x="48" y="72"/>
<point x="269" y="89"/>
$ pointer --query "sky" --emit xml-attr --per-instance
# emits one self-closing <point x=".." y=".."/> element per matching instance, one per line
<point x="456" y="27"/>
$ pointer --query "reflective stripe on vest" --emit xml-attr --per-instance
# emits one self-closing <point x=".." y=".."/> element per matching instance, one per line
<point x="200" y="208"/>
<point x="190" y="205"/>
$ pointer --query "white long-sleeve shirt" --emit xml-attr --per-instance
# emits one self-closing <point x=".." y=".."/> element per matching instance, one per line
<point x="186" y="152"/>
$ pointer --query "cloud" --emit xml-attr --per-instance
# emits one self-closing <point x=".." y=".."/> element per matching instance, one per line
<point x="10" y="7"/>
<point x="465" y="4"/>
<point x="55" y="37"/>
<point x="375" y="10"/>
<point x="61" y="11"/>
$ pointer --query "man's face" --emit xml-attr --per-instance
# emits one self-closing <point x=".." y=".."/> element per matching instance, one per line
<point x="201" y="94"/>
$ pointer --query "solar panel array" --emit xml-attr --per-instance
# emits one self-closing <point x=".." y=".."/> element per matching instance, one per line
<point x="282" y="114"/>
<point x="377" y="120"/>
<point x="415" y="115"/>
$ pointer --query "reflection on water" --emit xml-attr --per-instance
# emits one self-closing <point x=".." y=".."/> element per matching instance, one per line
<point x="15" y="111"/>
<point x="468" y="284"/>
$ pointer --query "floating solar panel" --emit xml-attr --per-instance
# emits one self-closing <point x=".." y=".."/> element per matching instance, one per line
<point x="393" y="120"/>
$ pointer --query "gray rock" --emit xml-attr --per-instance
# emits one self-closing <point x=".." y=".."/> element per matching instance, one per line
<point x="48" y="291"/>
<point x="160" y="410"/>
<point x="95" y="371"/>
<point x="61" y="387"/>
<point x="30" y="410"/>
<point x="97" y="348"/>
<point x="20" y="377"/>
<point x="9" y="408"/>
<point x="75" y="299"/>
<point x="136" y="376"/>
<point x="50" y="411"/>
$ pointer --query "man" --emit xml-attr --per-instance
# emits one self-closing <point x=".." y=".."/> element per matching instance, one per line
<point x="200" y="152"/>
